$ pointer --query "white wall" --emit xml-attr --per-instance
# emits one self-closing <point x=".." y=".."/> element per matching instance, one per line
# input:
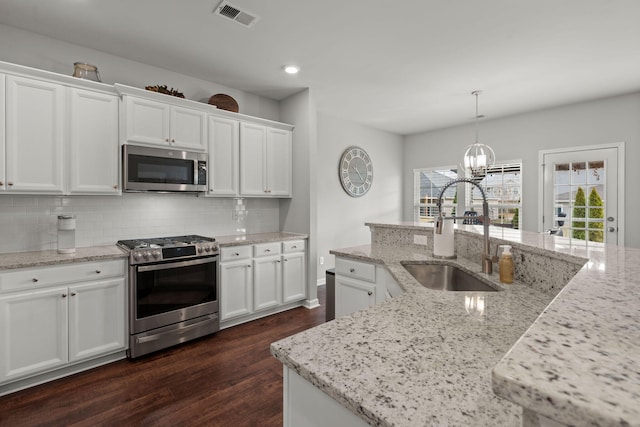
<point x="299" y="214"/>
<point x="609" y="120"/>
<point x="32" y="50"/>
<point x="341" y="218"/>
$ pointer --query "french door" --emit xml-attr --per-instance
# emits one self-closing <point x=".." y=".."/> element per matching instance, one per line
<point x="582" y="190"/>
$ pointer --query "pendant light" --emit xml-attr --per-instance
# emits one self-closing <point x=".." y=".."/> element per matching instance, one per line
<point x="478" y="157"/>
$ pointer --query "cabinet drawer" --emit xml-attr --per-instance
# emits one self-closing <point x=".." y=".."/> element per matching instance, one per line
<point x="235" y="252"/>
<point x="264" y="249"/>
<point x="356" y="269"/>
<point x="292" y="246"/>
<point x="39" y="277"/>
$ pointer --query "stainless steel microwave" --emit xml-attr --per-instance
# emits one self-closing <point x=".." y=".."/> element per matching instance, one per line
<point x="163" y="169"/>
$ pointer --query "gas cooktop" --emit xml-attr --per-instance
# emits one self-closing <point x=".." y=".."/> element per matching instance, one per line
<point x="164" y="248"/>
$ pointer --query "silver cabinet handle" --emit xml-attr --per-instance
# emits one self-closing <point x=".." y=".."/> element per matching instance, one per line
<point x="34" y="280"/>
<point x="352" y="270"/>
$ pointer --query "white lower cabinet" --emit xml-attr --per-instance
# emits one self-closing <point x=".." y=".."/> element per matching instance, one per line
<point x="359" y="285"/>
<point x="53" y="323"/>
<point x="236" y="288"/>
<point x="261" y="278"/>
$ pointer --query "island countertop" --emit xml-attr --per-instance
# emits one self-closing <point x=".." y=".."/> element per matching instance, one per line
<point x="421" y="359"/>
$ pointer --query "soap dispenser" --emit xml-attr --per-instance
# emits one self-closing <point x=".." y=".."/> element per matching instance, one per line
<point x="506" y="265"/>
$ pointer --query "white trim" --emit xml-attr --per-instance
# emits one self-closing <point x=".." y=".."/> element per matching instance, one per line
<point x="620" y="146"/>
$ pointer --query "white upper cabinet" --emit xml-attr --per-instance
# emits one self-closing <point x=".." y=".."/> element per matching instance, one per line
<point x="3" y="175"/>
<point x="279" y="162"/>
<point x="93" y="142"/>
<point x="224" y="156"/>
<point x="253" y="147"/>
<point x="34" y="136"/>
<point x="57" y="138"/>
<point x="265" y="161"/>
<point x="162" y="124"/>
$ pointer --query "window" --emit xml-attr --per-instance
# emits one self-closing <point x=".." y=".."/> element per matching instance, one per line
<point x="502" y="184"/>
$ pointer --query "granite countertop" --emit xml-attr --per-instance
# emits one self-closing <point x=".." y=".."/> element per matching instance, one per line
<point x="251" y="239"/>
<point x="52" y="257"/>
<point x="94" y="253"/>
<point x="421" y="359"/>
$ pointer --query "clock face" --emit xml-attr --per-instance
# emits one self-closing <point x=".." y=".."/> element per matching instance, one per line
<point x="355" y="171"/>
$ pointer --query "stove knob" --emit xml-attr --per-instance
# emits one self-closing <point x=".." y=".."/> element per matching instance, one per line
<point x="200" y="249"/>
<point x="156" y="254"/>
<point x="136" y="256"/>
<point x="207" y="248"/>
<point x="146" y="254"/>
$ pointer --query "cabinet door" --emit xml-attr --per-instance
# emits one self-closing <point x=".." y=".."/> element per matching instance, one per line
<point x="146" y="121"/>
<point x="96" y="319"/>
<point x="253" y="160"/>
<point x="279" y="150"/>
<point x="236" y="289"/>
<point x="224" y="156"/>
<point x="294" y="279"/>
<point x="267" y="282"/>
<point x="33" y="333"/>
<point x="188" y="128"/>
<point x="93" y="142"/>
<point x="353" y="295"/>
<point x="34" y="135"/>
<point x="3" y="180"/>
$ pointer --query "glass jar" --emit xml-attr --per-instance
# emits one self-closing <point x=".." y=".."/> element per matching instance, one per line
<point x="86" y="71"/>
<point x="66" y="234"/>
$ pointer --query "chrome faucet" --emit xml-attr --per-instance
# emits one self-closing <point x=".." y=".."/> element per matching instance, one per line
<point x="487" y="259"/>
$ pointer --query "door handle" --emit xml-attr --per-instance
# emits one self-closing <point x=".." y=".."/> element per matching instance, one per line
<point x="611" y="229"/>
<point x="610" y="219"/>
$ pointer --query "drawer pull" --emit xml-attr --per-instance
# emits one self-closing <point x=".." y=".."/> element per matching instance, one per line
<point x="369" y="293"/>
<point x="278" y="260"/>
<point x="98" y="271"/>
<point x="294" y="247"/>
<point x="267" y="250"/>
<point x="236" y="254"/>
<point x="64" y="295"/>
<point x="34" y="280"/>
<point x="73" y="294"/>
<point x="248" y="265"/>
<point x="352" y="270"/>
<point x="286" y="259"/>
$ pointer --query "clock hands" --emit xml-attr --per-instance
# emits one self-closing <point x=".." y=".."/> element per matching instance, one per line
<point x="355" y="167"/>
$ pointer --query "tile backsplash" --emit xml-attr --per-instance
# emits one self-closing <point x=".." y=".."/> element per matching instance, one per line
<point x="29" y="223"/>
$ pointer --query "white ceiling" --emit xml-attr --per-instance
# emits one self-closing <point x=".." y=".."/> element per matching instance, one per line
<point x="403" y="66"/>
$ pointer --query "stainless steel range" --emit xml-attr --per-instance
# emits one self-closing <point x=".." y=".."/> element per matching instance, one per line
<point x="173" y="291"/>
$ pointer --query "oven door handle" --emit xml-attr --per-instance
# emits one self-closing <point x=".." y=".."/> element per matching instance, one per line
<point x="181" y="331"/>
<point x="168" y="265"/>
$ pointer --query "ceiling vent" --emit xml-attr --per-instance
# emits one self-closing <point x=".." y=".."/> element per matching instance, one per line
<point x="234" y="13"/>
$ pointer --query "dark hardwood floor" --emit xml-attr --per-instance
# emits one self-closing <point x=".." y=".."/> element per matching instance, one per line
<point x="227" y="379"/>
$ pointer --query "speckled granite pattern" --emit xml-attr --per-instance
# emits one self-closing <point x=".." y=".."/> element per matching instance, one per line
<point x="251" y="239"/>
<point x="419" y="359"/>
<point x="42" y="258"/>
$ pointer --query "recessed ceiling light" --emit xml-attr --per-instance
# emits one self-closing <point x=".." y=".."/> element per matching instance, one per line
<point x="291" y="69"/>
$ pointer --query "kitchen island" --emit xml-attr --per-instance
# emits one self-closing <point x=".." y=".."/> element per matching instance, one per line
<point x="425" y="358"/>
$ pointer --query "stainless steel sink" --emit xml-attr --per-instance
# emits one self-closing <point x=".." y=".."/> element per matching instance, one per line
<point x="445" y="277"/>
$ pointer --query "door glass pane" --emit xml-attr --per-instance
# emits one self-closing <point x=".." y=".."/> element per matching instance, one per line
<point x="579" y="200"/>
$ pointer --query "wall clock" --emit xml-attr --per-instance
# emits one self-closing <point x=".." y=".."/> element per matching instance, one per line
<point x="355" y="171"/>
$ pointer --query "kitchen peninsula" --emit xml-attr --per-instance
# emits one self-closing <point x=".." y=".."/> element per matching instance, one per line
<point x="428" y="357"/>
